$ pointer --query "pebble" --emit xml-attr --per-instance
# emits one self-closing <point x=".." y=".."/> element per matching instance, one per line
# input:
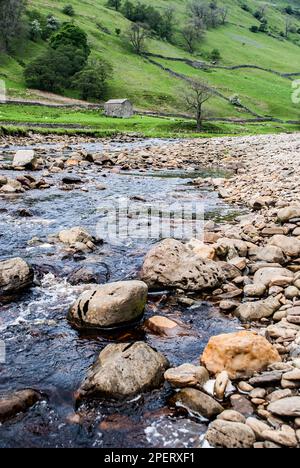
<point x="286" y="436"/>
<point x="233" y="416"/>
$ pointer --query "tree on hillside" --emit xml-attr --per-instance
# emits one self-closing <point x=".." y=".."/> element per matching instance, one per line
<point x="70" y="35"/>
<point x="137" y="36"/>
<point x="65" y="56"/>
<point x="191" y="35"/>
<point x="166" y="28"/>
<point x="54" y="69"/>
<point x="116" y="4"/>
<point x="209" y="14"/>
<point x="224" y="11"/>
<point x="288" y="26"/>
<point x="11" y="12"/>
<point x="198" y="94"/>
<point x="93" y="79"/>
<point x="197" y="9"/>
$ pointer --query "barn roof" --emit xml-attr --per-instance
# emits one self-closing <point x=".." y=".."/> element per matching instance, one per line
<point x="117" y="101"/>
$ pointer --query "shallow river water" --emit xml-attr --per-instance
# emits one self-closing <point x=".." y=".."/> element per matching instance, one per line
<point x="44" y="352"/>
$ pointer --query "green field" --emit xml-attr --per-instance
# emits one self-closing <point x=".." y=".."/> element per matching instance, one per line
<point x="93" y="122"/>
<point x="151" y="88"/>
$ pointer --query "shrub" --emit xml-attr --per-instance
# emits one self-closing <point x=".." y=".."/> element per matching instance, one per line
<point x="254" y="29"/>
<point x="68" y="10"/>
<point x="215" y="55"/>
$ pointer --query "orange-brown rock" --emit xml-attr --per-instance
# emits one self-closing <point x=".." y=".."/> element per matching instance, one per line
<point x="163" y="326"/>
<point x="241" y="354"/>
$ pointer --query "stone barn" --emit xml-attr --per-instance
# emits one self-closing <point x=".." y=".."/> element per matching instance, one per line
<point x="119" y="108"/>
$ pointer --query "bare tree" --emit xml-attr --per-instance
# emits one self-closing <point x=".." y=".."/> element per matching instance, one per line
<point x="214" y="14"/>
<point x="199" y="26"/>
<point x="11" y="12"/>
<point x="288" y="26"/>
<point x="197" y="95"/>
<point x="198" y="9"/>
<point x="263" y="9"/>
<point x="223" y="12"/>
<point x="137" y="36"/>
<point x="191" y="36"/>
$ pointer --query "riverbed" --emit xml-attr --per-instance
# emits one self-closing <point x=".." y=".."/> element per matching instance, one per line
<point x="44" y="352"/>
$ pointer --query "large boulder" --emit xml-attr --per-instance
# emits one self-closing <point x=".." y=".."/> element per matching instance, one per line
<point x="266" y="276"/>
<point x="251" y="311"/>
<point x="17" y="402"/>
<point x="25" y="158"/>
<point x="15" y="276"/>
<point x="290" y="212"/>
<point x="289" y="245"/>
<point x="269" y="254"/>
<point x="170" y="264"/>
<point x="110" y="305"/>
<point x="241" y="354"/>
<point x="227" y="434"/>
<point x="124" y="370"/>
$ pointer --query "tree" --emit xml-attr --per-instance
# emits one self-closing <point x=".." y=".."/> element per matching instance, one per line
<point x="35" y="30"/>
<point x="92" y="80"/>
<point x="52" y="25"/>
<point x="224" y="11"/>
<point x="11" y="13"/>
<point x="54" y="69"/>
<point x="288" y="26"/>
<point x="48" y="25"/>
<point x="72" y="35"/>
<point x="42" y="73"/>
<point x="198" y="94"/>
<point x="116" y="4"/>
<point x="166" y="26"/>
<point x="199" y="10"/>
<point x="190" y="36"/>
<point x="137" y="36"/>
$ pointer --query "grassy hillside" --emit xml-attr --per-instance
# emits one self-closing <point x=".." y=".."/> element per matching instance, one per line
<point x="151" y="87"/>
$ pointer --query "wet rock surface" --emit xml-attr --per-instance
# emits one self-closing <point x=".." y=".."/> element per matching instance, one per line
<point x="17" y="402"/>
<point x="110" y="305"/>
<point x="171" y="264"/>
<point x="124" y="370"/>
<point x="15" y="277"/>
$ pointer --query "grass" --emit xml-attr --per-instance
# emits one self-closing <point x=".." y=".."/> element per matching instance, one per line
<point x="94" y="123"/>
<point x="265" y="93"/>
<point x="151" y="88"/>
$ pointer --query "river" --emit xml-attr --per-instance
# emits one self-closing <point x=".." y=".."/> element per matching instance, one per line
<point x="44" y="352"/>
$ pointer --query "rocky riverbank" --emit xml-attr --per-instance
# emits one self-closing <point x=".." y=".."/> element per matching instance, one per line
<point x="246" y="385"/>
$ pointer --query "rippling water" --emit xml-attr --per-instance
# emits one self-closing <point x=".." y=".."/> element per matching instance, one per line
<point x="44" y="352"/>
